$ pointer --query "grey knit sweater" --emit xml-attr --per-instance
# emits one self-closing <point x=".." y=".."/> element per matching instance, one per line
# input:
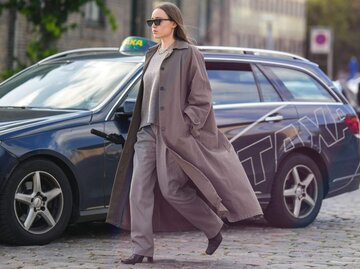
<point x="150" y="102"/>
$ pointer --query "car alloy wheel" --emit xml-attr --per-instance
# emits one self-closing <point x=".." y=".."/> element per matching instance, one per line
<point x="38" y="202"/>
<point x="297" y="192"/>
<point x="300" y="191"/>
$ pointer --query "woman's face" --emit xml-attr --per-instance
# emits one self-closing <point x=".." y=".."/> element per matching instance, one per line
<point x="166" y="28"/>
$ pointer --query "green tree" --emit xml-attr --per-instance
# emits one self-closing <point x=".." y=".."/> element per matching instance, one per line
<point x="49" y="20"/>
<point x="344" y="20"/>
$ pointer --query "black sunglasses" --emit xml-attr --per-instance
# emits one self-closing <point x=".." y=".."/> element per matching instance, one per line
<point x="156" y="21"/>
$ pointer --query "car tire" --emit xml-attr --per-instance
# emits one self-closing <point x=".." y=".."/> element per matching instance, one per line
<point x="297" y="193"/>
<point x="36" y="204"/>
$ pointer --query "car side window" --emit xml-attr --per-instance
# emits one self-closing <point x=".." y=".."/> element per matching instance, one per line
<point x="267" y="90"/>
<point x="302" y="86"/>
<point x="134" y="90"/>
<point x="129" y="104"/>
<point x="232" y="84"/>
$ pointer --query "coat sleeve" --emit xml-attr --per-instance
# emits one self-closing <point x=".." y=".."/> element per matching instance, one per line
<point x="199" y="100"/>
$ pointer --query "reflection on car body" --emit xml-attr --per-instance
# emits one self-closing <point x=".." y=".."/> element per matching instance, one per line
<point x="297" y="138"/>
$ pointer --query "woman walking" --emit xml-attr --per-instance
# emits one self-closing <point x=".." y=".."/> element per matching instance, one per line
<point x="173" y="143"/>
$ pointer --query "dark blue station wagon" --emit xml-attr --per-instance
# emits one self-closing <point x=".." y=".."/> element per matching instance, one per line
<point x="296" y="136"/>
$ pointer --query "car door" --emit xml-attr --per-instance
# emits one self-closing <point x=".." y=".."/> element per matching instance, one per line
<point x="253" y="116"/>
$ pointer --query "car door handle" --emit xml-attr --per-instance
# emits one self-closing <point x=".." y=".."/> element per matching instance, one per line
<point x="274" y="118"/>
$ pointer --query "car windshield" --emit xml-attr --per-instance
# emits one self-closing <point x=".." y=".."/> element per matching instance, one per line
<point x="80" y="84"/>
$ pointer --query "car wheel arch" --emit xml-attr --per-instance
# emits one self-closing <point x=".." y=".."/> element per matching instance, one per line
<point x="316" y="157"/>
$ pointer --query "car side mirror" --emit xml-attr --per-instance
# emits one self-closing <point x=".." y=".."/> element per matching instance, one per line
<point x="126" y="110"/>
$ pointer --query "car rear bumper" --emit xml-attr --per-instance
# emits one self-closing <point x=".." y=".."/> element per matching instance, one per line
<point x="344" y="185"/>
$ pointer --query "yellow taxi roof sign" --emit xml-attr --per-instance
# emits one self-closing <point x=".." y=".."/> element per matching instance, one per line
<point x="135" y="45"/>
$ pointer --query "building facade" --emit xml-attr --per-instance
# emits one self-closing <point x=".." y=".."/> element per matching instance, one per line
<point x="267" y="24"/>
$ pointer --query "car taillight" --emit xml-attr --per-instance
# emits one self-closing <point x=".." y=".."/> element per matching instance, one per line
<point x="352" y="122"/>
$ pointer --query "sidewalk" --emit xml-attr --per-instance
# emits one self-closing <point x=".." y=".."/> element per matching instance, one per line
<point x="332" y="241"/>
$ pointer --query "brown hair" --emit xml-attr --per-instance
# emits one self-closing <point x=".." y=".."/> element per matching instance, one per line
<point x="174" y="14"/>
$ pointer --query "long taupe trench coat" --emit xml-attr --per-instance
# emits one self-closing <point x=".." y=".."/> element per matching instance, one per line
<point x="187" y="124"/>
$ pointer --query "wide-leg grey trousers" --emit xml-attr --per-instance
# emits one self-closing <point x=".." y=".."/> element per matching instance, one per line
<point x="153" y="161"/>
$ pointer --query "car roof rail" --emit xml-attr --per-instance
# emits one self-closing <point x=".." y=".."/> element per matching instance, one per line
<point x="77" y="52"/>
<point x="264" y="52"/>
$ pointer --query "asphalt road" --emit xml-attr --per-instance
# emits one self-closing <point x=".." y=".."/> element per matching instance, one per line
<point x="332" y="241"/>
